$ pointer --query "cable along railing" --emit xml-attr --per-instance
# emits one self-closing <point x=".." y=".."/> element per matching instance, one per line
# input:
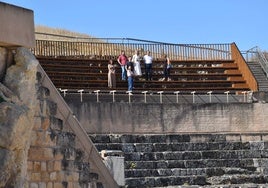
<point x="112" y="47"/>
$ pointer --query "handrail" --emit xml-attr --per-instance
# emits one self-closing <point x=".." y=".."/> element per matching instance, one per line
<point x="64" y="112"/>
<point x="255" y="54"/>
<point x="52" y="48"/>
<point x="169" y="96"/>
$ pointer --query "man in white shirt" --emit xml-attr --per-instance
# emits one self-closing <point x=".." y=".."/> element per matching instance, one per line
<point x="148" y="61"/>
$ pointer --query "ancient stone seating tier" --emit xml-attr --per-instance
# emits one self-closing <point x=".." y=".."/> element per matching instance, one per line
<point x="213" y="160"/>
<point x="91" y="74"/>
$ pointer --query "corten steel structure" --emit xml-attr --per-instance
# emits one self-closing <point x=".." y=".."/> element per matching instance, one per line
<point x="82" y="64"/>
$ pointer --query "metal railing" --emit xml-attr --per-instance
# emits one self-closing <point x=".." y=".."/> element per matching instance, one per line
<point x="255" y="54"/>
<point x="176" y="97"/>
<point x="101" y="47"/>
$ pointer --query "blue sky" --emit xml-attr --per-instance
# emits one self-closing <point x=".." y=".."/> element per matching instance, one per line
<point x="175" y="21"/>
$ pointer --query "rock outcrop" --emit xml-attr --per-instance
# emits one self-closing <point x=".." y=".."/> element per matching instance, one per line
<point x="17" y="110"/>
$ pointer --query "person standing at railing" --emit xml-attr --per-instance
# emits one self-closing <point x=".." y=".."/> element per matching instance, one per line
<point x="167" y="67"/>
<point x="148" y="62"/>
<point x="122" y="60"/>
<point x="111" y="74"/>
<point x="130" y="74"/>
<point x="136" y="59"/>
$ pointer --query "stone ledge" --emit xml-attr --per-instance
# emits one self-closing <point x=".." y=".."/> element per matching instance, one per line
<point x="17" y="26"/>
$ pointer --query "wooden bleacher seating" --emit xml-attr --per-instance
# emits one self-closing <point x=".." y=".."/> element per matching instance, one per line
<point x="191" y="75"/>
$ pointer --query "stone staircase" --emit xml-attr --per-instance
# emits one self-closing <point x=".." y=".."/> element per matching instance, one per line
<point x="259" y="74"/>
<point x="191" y="160"/>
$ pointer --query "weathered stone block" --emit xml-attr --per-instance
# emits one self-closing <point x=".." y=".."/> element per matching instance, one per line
<point x="140" y="147"/>
<point x="247" y="138"/>
<point x="37" y="123"/>
<point x="179" y="147"/>
<point x="179" y="138"/>
<point x="57" y="165"/>
<point x="37" y="166"/>
<point x="29" y="165"/>
<point x="45" y="123"/>
<point x="40" y="153"/>
<point x="49" y="185"/>
<point x="33" y="185"/>
<point x="147" y="156"/>
<point x="45" y="176"/>
<point x="191" y="155"/>
<point x="128" y="148"/>
<point x="158" y="147"/>
<point x="176" y="164"/>
<point x="56" y="124"/>
<point x="42" y="185"/>
<point x="20" y="22"/>
<point x="259" y="145"/>
<point x="50" y="166"/>
<point x="36" y="176"/>
<point x="53" y="176"/>
<point x="57" y="185"/>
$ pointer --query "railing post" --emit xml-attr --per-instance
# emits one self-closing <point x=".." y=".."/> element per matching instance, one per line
<point x="129" y="96"/>
<point x="81" y="93"/>
<point x="160" y="94"/>
<point x="112" y="92"/>
<point x="177" y="96"/>
<point x="227" y="96"/>
<point x="97" y="93"/>
<point x="193" y="93"/>
<point x="145" y="92"/>
<point x="244" y="95"/>
<point x="64" y="91"/>
<point x="209" y="93"/>
<point x="249" y="96"/>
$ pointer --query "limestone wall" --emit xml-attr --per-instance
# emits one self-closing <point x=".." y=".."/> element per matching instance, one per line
<point x="40" y="144"/>
<point x="169" y="118"/>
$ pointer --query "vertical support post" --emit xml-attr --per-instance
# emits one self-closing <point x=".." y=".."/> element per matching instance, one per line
<point x="129" y="96"/>
<point x="249" y="96"/>
<point x="244" y="96"/>
<point x="145" y="92"/>
<point x="64" y="91"/>
<point x="227" y="96"/>
<point x="160" y="94"/>
<point x="97" y="93"/>
<point x="193" y="93"/>
<point x="209" y="93"/>
<point x="112" y="92"/>
<point x="177" y="96"/>
<point x="81" y="93"/>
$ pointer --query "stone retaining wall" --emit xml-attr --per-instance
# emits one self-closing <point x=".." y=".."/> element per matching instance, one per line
<point x="159" y="118"/>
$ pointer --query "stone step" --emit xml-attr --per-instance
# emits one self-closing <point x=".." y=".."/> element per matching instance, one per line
<point x="197" y="155"/>
<point x="165" y="147"/>
<point x="201" y="163"/>
<point x="221" y="181"/>
<point x="209" y="172"/>
<point x="190" y="160"/>
<point x="170" y="138"/>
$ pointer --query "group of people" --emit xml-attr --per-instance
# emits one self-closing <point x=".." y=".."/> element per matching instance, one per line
<point x="131" y="67"/>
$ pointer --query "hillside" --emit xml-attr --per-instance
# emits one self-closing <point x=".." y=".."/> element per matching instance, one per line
<point x="49" y="33"/>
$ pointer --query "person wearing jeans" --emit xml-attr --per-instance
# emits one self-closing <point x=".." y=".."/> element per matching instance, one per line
<point x="122" y="60"/>
<point x="130" y="76"/>
<point x="148" y="61"/>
